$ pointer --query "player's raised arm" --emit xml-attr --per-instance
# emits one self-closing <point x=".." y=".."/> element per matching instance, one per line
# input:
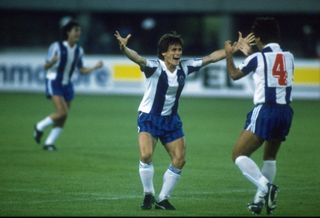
<point x="233" y="72"/>
<point x="131" y="54"/>
<point x="243" y="44"/>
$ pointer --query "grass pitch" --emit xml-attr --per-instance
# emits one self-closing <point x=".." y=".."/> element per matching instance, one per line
<point x="95" y="170"/>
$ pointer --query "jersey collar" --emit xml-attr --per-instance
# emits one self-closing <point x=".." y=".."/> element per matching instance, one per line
<point x="271" y="47"/>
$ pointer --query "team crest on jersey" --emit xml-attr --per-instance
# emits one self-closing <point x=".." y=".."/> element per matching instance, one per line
<point x="181" y="80"/>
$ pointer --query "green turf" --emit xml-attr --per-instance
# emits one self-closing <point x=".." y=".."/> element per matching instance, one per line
<point x="95" y="170"/>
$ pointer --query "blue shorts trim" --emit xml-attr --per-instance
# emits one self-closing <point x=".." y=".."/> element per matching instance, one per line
<point x="270" y="121"/>
<point x="56" y="88"/>
<point x="166" y="128"/>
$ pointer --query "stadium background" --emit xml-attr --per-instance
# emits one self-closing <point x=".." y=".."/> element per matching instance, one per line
<point x="96" y="174"/>
<point x="29" y="27"/>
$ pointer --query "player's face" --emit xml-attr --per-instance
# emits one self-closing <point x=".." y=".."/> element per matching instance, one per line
<point x="172" y="55"/>
<point x="74" y="34"/>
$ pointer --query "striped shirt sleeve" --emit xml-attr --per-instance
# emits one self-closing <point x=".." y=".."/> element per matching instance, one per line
<point x="249" y="65"/>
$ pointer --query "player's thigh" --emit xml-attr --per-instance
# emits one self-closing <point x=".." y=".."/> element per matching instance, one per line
<point x="60" y="104"/>
<point x="147" y="144"/>
<point x="246" y="144"/>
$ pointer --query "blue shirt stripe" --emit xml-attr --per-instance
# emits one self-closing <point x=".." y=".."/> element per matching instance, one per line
<point x="160" y="96"/>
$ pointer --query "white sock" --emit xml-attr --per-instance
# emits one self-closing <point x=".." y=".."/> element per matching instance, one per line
<point x="170" y="179"/>
<point x="44" y="123"/>
<point x="146" y="172"/>
<point x="250" y="170"/>
<point x="269" y="171"/>
<point x="53" y="135"/>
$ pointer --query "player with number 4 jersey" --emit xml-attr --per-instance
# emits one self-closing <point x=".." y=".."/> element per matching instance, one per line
<point x="269" y="121"/>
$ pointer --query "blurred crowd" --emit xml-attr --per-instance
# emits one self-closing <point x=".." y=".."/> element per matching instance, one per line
<point x="201" y="32"/>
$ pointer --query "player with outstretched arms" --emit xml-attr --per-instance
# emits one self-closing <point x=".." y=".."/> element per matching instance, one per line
<point x="158" y="116"/>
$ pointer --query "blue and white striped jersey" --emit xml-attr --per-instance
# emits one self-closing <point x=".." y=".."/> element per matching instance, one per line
<point x="273" y="71"/>
<point x="163" y="88"/>
<point x="69" y="60"/>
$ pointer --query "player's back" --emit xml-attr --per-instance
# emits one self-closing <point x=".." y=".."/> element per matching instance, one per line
<point x="274" y="75"/>
<point x="279" y="69"/>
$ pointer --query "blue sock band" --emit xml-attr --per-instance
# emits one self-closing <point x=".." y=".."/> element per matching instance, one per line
<point x="174" y="169"/>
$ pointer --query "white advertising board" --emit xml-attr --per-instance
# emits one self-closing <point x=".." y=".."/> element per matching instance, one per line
<point x="21" y="72"/>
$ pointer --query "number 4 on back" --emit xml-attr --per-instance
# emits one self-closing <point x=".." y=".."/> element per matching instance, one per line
<point x="279" y="70"/>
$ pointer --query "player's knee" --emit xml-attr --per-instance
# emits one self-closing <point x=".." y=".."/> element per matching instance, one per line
<point x="146" y="157"/>
<point x="179" y="162"/>
<point x="62" y="115"/>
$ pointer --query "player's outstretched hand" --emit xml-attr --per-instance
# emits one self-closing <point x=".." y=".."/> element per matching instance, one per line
<point x="98" y="65"/>
<point x="122" y="41"/>
<point x="244" y="44"/>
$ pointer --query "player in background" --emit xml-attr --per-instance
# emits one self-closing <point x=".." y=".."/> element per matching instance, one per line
<point x="158" y="111"/>
<point x="64" y="58"/>
<point x="270" y="119"/>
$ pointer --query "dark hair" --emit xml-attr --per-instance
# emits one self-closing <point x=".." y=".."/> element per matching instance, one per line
<point x="166" y="40"/>
<point x="267" y="28"/>
<point x="67" y="27"/>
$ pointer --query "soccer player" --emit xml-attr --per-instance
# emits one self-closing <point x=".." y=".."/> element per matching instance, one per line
<point x="270" y="119"/>
<point x="64" y="58"/>
<point x="158" y="111"/>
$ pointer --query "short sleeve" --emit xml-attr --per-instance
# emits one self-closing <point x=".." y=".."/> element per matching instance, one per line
<point x="191" y="65"/>
<point x="151" y="67"/>
<point x="53" y="49"/>
<point x="250" y="64"/>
